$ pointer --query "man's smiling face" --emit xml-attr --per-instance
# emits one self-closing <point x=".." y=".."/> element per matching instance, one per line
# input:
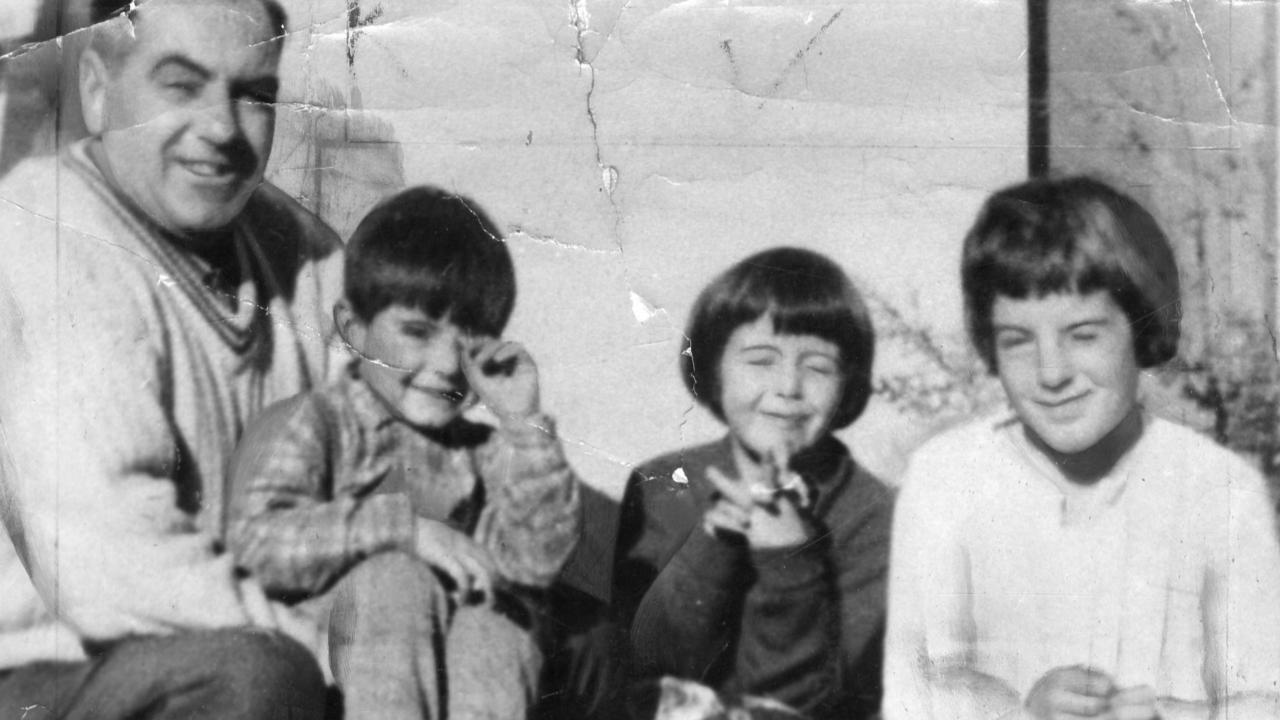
<point x="185" y="112"/>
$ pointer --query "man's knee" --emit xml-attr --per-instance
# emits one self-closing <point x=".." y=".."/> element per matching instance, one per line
<point x="267" y="674"/>
<point x="242" y="673"/>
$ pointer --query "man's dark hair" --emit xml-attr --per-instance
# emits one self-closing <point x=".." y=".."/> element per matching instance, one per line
<point x="110" y="40"/>
<point x="806" y="294"/>
<point x="428" y="249"/>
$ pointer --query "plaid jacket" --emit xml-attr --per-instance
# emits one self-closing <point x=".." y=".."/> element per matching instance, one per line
<point x="329" y="478"/>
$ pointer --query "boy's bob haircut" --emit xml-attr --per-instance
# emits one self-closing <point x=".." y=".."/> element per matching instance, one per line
<point x="806" y="294"/>
<point x="1072" y="235"/>
<point x="427" y="249"/>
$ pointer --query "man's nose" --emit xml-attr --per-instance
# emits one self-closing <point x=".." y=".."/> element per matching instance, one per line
<point x="219" y="118"/>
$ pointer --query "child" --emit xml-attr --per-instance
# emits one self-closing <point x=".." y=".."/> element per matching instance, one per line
<point x="427" y="536"/>
<point x="756" y="564"/>
<point x="1078" y="557"/>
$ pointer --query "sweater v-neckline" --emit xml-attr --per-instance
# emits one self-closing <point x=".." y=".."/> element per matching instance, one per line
<point x="234" y="319"/>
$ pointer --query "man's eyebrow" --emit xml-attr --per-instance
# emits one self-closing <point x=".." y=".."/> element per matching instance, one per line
<point x="182" y="62"/>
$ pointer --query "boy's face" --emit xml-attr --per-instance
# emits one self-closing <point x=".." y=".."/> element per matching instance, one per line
<point x="414" y="363"/>
<point x="1068" y="364"/>
<point x="778" y="392"/>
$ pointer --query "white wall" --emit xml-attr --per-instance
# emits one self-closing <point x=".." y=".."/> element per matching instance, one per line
<point x="867" y="130"/>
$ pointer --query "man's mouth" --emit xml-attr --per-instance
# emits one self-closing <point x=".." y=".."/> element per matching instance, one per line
<point x="215" y="170"/>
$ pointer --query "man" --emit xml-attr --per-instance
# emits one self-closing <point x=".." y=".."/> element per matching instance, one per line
<point x="154" y="295"/>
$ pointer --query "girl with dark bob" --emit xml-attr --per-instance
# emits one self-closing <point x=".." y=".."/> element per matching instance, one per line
<point x="1075" y="556"/>
<point x="756" y="564"/>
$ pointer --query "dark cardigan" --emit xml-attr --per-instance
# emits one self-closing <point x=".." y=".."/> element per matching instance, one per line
<point x="800" y="625"/>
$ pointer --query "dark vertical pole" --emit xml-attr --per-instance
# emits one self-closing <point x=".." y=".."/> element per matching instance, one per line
<point x="1037" y="87"/>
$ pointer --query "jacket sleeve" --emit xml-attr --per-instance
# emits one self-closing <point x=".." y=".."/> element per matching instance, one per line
<point x="684" y="614"/>
<point x="289" y="528"/>
<point x="532" y="514"/>
<point x="88" y="456"/>
<point x="812" y="623"/>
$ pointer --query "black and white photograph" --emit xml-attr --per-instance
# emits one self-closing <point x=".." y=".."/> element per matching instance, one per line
<point x="639" y="360"/>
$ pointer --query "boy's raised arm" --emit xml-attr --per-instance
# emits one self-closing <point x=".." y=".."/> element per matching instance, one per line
<point x="533" y="518"/>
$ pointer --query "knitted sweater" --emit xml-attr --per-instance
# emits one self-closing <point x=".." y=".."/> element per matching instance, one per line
<point x="125" y="382"/>
<point x="799" y="625"/>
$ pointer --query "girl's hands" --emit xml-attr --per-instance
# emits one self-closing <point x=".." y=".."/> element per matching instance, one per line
<point x="769" y="511"/>
<point x="1077" y="691"/>
<point x="504" y="378"/>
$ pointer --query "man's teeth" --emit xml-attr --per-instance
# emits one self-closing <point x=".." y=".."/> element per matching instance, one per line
<point x="209" y="168"/>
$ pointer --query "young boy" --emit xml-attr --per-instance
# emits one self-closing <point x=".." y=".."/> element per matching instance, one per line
<point x="425" y="537"/>
<point x="1078" y="557"/>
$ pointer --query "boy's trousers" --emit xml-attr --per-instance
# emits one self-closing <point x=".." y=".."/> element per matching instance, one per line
<point x="399" y="648"/>
<point x="243" y="674"/>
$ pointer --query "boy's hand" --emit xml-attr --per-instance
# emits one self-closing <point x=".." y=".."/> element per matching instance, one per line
<point x="460" y="558"/>
<point x="504" y="378"/>
<point x="1071" y="692"/>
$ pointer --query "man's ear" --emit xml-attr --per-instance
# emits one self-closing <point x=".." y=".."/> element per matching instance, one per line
<point x="94" y="81"/>
<point x="349" y="325"/>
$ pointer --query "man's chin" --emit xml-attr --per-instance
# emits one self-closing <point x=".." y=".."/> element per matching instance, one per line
<point x="201" y="217"/>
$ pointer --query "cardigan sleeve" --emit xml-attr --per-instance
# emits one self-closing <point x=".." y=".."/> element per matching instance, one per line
<point x="1241" y="616"/>
<point x="860" y="526"/>
<point x="89" y="455"/>
<point x="679" y="590"/>
<point x="789" y="641"/>
<point x="686" y="621"/>
<point x="927" y="670"/>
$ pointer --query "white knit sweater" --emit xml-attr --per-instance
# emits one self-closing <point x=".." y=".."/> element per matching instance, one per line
<point x="125" y="383"/>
